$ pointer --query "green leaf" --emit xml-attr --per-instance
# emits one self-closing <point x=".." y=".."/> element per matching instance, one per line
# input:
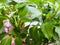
<point x="23" y="11"/>
<point x="36" y="35"/>
<point x="47" y="29"/>
<point x="1" y="25"/>
<point x="15" y="33"/>
<point x="24" y="32"/>
<point x="19" y="6"/>
<point x="2" y="35"/>
<point x="52" y="1"/>
<point x="55" y="36"/>
<point x="6" y="41"/>
<point x="34" y="12"/>
<point x="18" y="41"/>
<point x="2" y="17"/>
<point x="21" y="1"/>
<point x="2" y="0"/>
<point x="58" y="30"/>
<point x="35" y="1"/>
<point x="25" y="19"/>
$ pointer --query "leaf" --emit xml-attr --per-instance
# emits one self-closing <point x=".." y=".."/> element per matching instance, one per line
<point x="12" y="2"/>
<point x="24" y="32"/>
<point x="52" y="1"/>
<point x="58" y="30"/>
<point x="55" y="36"/>
<point x="14" y="33"/>
<point x="2" y="17"/>
<point x="19" y="6"/>
<point x="1" y="25"/>
<point x="36" y="35"/>
<point x="47" y="29"/>
<point x="23" y="11"/>
<point x="35" y="1"/>
<point x="6" y="41"/>
<point x="2" y="0"/>
<point x="21" y="1"/>
<point x="2" y="35"/>
<point x="34" y="12"/>
<point x="25" y="19"/>
<point x="18" y="41"/>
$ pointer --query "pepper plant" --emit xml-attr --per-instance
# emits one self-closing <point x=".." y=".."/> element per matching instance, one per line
<point x="29" y="22"/>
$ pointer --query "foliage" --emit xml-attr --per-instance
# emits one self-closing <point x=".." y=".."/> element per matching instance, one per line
<point x="45" y="12"/>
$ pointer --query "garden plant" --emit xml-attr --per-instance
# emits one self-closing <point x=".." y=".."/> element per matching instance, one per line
<point x="29" y="22"/>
